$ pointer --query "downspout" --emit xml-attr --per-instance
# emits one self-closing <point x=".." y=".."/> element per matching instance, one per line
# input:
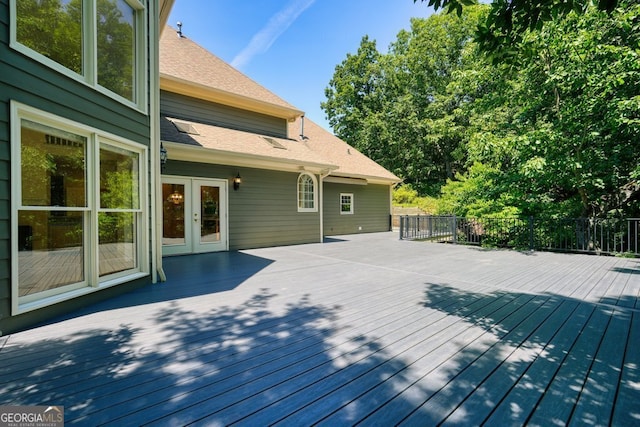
<point x="157" y="272"/>
<point x="391" y="188"/>
<point x="321" y="202"/>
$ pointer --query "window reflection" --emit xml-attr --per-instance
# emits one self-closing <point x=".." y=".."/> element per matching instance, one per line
<point x="52" y="166"/>
<point x="173" y="226"/>
<point x="116" y="46"/>
<point x="117" y="246"/>
<point x="118" y="179"/>
<point x="210" y="214"/>
<point x="55" y="29"/>
<point x="41" y="21"/>
<point x="51" y="250"/>
<point x="119" y="203"/>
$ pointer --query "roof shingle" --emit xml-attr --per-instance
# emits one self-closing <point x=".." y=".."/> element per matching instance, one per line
<point x="183" y="60"/>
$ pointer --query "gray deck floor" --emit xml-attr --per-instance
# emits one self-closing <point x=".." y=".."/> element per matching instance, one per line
<point x="363" y="329"/>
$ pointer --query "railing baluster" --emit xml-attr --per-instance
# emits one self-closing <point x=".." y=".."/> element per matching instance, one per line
<point x="589" y="235"/>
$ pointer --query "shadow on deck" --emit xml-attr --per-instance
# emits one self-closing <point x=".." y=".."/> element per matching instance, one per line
<point x="377" y="346"/>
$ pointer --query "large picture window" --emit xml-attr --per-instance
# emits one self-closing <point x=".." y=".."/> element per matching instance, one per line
<point x="307" y="195"/>
<point x="53" y="209"/>
<point x="98" y="41"/>
<point x="68" y="236"/>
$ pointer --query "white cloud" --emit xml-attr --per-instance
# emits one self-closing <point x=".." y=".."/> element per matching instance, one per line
<point x="278" y="24"/>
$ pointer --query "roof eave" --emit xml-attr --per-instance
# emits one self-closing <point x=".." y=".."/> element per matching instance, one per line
<point x="195" y="90"/>
<point x="370" y="179"/>
<point x="191" y="153"/>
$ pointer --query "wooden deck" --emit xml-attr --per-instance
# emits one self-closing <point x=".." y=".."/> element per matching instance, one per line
<point x="364" y="330"/>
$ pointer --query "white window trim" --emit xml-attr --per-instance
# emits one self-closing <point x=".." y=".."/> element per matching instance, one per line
<point x="92" y="280"/>
<point x="350" y="212"/>
<point x="315" y="193"/>
<point x="90" y="75"/>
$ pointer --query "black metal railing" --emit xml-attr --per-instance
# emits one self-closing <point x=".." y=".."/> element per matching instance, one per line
<point x="590" y="235"/>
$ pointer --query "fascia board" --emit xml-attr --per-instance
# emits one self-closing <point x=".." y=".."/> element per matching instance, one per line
<point x="164" y="11"/>
<point x="368" y="178"/>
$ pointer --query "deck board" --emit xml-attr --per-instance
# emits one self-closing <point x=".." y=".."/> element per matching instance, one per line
<point x="529" y="387"/>
<point x="366" y="329"/>
<point x="519" y="355"/>
<point x="559" y="400"/>
<point x="626" y="410"/>
<point x="604" y="375"/>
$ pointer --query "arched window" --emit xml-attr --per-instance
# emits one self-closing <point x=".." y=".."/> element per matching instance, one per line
<point x="307" y="194"/>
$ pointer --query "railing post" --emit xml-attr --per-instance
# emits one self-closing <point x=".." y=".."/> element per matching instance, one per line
<point x="531" y="242"/>
<point x="455" y="230"/>
<point x="401" y="225"/>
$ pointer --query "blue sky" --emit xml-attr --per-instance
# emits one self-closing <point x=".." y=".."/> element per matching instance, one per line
<point x="292" y="47"/>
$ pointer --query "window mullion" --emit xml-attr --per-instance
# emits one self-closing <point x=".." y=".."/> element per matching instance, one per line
<point x="94" y="200"/>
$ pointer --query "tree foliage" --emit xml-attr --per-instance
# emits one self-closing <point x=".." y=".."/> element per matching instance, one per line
<point x="554" y="132"/>
<point x="507" y="20"/>
<point x="402" y="109"/>
<point x="54" y="28"/>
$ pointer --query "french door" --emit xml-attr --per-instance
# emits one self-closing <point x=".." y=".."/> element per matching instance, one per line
<point x="194" y="215"/>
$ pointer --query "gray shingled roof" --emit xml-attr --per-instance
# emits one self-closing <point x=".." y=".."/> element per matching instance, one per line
<point x="184" y="60"/>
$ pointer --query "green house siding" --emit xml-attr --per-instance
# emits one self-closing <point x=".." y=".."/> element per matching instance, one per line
<point x="27" y="81"/>
<point x="371" y="209"/>
<point x="5" y="209"/>
<point x="184" y="107"/>
<point x="263" y="212"/>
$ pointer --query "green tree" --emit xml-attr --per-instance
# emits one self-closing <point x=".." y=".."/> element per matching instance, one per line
<point x="508" y="20"/>
<point x="352" y="93"/>
<point x="404" y="109"/>
<point x="562" y="125"/>
<point x="580" y="93"/>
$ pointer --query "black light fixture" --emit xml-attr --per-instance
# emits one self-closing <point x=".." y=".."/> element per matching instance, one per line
<point x="237" y="181"/>
<point x="163" y="156"/>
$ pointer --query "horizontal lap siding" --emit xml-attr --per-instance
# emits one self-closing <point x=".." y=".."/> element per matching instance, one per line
<point x="371" y="205"/>
<point x="29" y="82"/>
<point x="5" y="208"/>
<point x="184" y="107"/>
<point x="263" y="212"/>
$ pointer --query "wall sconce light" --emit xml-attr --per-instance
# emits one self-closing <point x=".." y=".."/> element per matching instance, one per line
<point x="237" y="181"/>
<point x="163" y="156"/>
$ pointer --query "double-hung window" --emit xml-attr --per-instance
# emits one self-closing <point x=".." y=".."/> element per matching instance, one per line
<point x="99" y="42"/>
<point x="78" y="216"/>
<point x="346" y="203"/>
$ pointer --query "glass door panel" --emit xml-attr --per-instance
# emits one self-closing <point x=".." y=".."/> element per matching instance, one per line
<point x="210" y="214"/>
<point x="175" y="210"/>
<point x="209" y="230"/>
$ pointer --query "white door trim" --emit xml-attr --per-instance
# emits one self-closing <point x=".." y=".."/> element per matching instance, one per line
<point x="192" y="222"/>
